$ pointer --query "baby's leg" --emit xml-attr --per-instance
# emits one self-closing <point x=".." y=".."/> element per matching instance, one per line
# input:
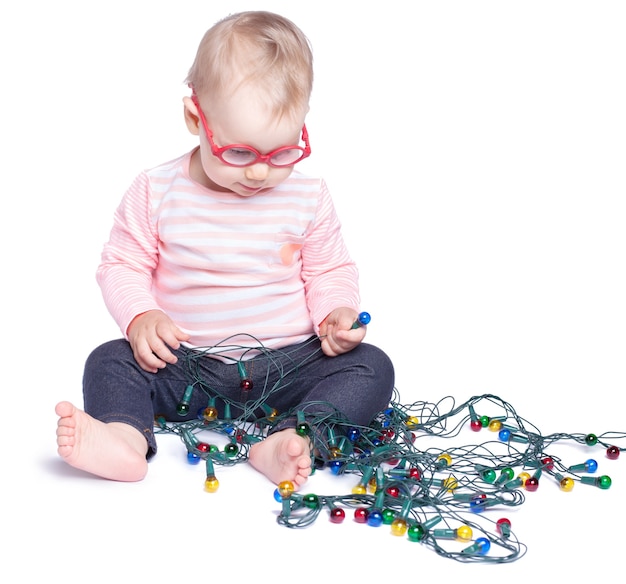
<point x="114" y="451"/>
<point x="283" y="456"/>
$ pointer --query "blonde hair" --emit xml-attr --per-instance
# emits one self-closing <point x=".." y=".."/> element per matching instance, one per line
<point x="256" y="47"/>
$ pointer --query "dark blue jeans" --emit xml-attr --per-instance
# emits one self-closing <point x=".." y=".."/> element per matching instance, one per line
<point x="358" y="384"/>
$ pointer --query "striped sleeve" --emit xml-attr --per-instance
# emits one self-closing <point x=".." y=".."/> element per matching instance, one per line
<point x="329" y="274"/>
<point x="130" y="257"/>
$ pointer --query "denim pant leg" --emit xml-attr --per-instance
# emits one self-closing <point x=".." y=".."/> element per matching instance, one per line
<point x="358" y="384"/>
<point x="117" y="389"/>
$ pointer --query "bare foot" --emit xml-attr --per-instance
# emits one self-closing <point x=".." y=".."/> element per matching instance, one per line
<point x="113" y="451"/>
<point x="283" y="456"/>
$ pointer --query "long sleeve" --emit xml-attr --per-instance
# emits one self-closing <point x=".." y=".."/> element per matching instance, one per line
<point x="329" y="274"/>
<point x="130" y="257"/>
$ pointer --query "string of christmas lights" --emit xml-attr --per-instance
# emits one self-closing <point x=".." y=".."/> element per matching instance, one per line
<point x="436" y="495"/>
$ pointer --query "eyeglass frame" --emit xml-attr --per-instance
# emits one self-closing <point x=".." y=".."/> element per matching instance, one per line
<point x="218" y="151"/>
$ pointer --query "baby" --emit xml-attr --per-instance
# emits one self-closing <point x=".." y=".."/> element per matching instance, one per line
<point x="229" y="258"/>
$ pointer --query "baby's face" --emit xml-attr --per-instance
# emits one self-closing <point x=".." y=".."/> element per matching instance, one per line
<point x="243" y="119"/>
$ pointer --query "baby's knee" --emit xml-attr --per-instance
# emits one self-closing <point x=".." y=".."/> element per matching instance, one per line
<point x="110" y="352"/>
<point x="381" y="365"/>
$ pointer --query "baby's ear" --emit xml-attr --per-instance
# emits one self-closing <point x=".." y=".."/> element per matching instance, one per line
<point x="191" y="116"/>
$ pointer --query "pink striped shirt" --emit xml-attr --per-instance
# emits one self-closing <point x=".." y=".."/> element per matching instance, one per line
<point x="228" y="270"/>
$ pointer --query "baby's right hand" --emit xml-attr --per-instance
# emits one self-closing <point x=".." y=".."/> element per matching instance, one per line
<point x="151" y="335"/>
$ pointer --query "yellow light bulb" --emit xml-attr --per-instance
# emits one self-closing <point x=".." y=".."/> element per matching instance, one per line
<point x="495" y="425"/>
<point x="412" y="422"/>
<point x="445" y="458"/>
<point x="209" y="413"/>
<point x="464" y="533"/>
<point x="211" y="484"/>
<point x="451" y="483"/>
<point x="398" y="526"/>
<point x="335" y="452"/>
<point x="285" y="489"/>
<point x="359" y="489"/>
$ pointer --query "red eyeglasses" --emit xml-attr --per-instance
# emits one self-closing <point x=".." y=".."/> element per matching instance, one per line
<point x="243" y="155"/>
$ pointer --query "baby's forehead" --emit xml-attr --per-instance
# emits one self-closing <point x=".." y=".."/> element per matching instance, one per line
<point x="244" y="98"/>
<point x="242" y="118"/>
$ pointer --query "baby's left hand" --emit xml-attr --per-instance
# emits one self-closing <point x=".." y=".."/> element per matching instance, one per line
<point x="337" y="334"/>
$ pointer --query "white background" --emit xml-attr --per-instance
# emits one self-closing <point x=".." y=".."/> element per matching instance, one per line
<point x="475" y="151"/>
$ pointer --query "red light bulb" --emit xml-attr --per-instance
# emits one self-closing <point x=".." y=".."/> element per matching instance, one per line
<point x="393" y="491"/>
<point x="360" y="515"/>
<point x="503" y="526"/>
<point x="246" y="383"/>
<point x="476" y="425"/>
<point x="531" y="484"/>
<point x="612" y="452"/>
<point x="337" y="515"/>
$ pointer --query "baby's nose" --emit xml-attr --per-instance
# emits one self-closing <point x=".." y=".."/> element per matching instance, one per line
<point x="257" y="171"/>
